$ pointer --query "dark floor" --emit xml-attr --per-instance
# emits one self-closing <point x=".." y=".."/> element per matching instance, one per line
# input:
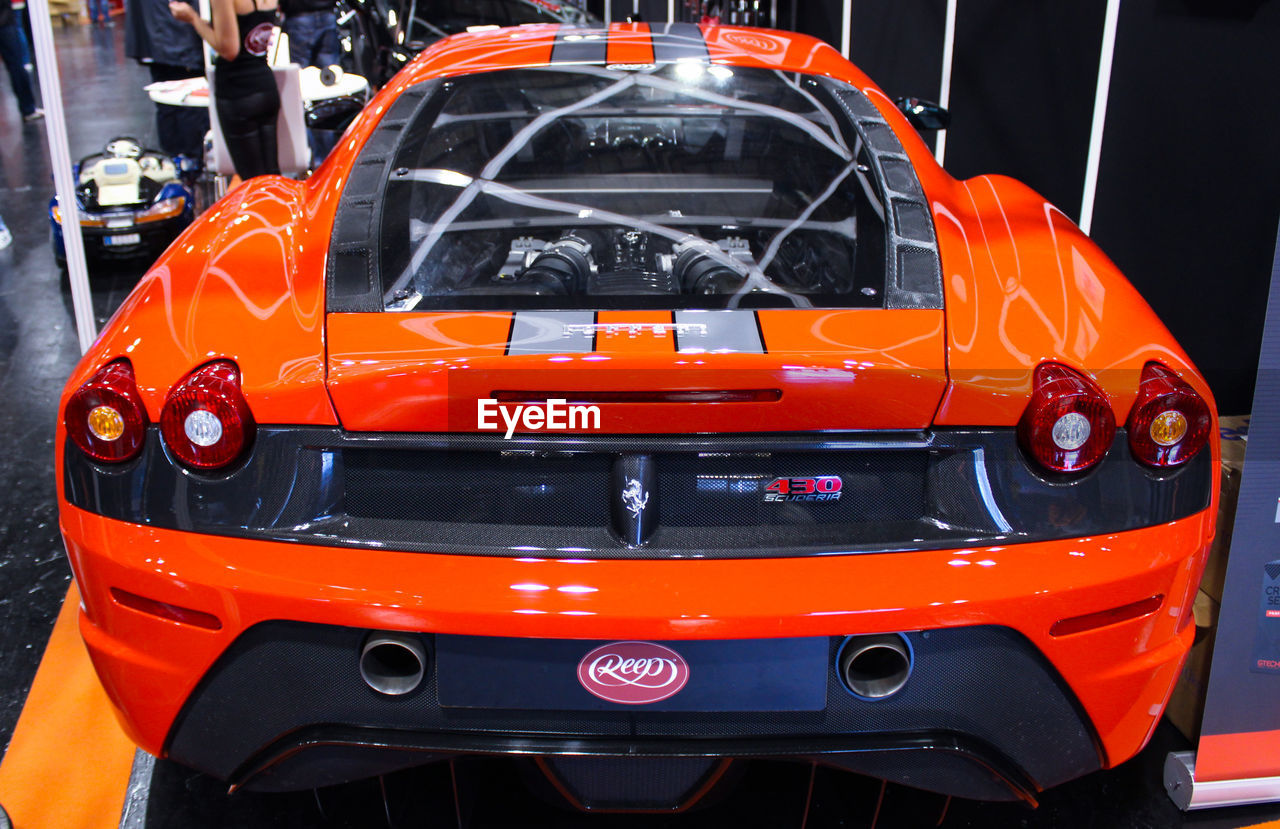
<point x="104" y="98"/>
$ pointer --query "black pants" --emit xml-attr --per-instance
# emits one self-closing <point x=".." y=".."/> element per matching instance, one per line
<point x="180" y="129"/>
<point x="248" y="104"/>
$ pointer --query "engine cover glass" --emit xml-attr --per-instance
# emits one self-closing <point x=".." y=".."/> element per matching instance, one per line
<point x="588" y="187"/>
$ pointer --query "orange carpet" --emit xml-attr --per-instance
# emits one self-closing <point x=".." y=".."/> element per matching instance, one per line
<point x="68" y="764"/>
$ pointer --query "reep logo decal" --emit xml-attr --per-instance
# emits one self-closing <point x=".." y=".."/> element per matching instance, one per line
<point x="633" y="673"/>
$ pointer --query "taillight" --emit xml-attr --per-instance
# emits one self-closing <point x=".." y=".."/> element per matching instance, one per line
<point x="1169" y="422"/>
<point x="105" y="417"/>
<point x="205" y="421"/>
<point x="1068" y="426"/>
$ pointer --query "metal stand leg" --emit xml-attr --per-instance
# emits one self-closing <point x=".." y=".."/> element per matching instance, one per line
<point x="1186" y="793"/>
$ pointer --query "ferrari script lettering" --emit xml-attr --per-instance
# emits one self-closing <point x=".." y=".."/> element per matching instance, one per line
<point x="555" y="415"/>
<point x="635" y="329"/>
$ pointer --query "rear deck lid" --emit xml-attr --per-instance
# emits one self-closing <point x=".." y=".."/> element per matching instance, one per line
<point x="645" y="372"/>
<point x="686" y="247"/>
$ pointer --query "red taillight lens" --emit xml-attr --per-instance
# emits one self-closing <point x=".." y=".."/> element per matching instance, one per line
<point x="205" y="421"/>
<point x="1169" y="422"/>
<point x="1068" y="425"/>
<point x="105" y="417"/>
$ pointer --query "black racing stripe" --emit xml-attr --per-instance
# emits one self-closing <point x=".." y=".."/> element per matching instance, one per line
<point x="578" y="44"/>
<point x="679" y="41"/>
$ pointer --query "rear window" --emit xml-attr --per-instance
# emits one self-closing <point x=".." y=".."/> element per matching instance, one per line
<point x="688" y="185"/>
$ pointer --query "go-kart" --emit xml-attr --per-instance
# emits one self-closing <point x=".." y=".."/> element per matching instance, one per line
<point x="132" y="202"/>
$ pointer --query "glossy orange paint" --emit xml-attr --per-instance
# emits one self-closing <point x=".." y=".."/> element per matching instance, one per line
<point x="246" y="283"/>
<point x="836" y="369"/>
<point x="242" y="284"/>
<point x="1024" y="285"/>
<point x="1122" y="674"/>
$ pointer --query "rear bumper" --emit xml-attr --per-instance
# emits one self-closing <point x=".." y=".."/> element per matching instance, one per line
<point x="285" y="709"/>
<point x="1115" y="679"/>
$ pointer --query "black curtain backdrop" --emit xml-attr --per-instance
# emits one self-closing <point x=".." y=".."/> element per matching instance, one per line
<point x="1189" y="186"/>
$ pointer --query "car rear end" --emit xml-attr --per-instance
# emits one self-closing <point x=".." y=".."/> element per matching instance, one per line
<point x="634" y="465"/>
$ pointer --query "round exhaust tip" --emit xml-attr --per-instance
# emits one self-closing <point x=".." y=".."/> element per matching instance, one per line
<point x="393" y="663"/>
<point x="875" y="667"/>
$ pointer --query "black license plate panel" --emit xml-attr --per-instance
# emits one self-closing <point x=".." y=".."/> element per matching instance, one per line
<point x="543" y="674"/>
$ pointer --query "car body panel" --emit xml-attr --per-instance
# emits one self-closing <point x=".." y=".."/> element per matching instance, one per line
<point x="1122" y="673"/>
<point x="249" y="281"/>
<point x="1024" y="285"/>
<point x="835" y="369"/>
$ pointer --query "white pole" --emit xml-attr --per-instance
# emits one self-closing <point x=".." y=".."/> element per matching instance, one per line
<point x="1099" y="114"/>
<point x="671" y="11"/>
<point x="944" y="92"/>
<point x="206" y="11"/>
<point x="846" y="23"/>
<point x="608" y="12"/>
<point x="60" y="157"/>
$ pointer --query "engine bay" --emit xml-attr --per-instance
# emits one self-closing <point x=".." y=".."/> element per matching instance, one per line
<point x="613" y="261"/>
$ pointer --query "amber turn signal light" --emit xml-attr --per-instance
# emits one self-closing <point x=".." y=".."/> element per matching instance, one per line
<point x="105" y="417"/>
<point x="1169" y="422"/>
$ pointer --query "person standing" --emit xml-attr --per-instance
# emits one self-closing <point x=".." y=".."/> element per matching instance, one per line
<point x="13" y="49"/>
<point x="171" y="51"/>
<point x="100" y="12"/>
<point x="244" y="87"/>
<point x="312" y="27"/>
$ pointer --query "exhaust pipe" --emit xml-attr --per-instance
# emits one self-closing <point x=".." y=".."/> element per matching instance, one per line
<point x="875" y="667"/>
<point x="392" y="663"/>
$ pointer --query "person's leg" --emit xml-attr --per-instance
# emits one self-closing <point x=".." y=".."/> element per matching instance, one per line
<point x="249" y="130"/>
<point x="267" y="114"/>
<point x="240" y="136"/>
<point x="300" y="29"/>
<point x="328" y="50"/>
<point x="180" y="130"/>
<point x="13" y="52"/>
<point x="269" y="147"/>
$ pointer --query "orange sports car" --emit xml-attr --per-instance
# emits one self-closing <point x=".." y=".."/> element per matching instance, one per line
<point x="642" y="400"/>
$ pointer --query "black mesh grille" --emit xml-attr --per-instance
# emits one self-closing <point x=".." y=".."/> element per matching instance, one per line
<point x="695" y="489"/>
<point x="984" y="682"/>
<point x="709" y="495"/>
<point x="625" y="783"/>
<point x="501" y="488"/>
